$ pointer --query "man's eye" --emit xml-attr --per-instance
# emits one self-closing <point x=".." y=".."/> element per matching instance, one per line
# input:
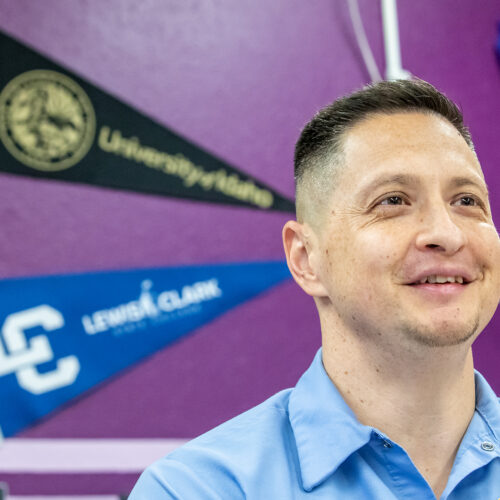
<point x="467" y="201"/>
<point x="392" y="200"/>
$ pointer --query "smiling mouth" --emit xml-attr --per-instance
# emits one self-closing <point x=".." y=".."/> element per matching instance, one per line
<point x="434" y="279"/>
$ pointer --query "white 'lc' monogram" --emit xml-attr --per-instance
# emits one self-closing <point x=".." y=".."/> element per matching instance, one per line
<point x="21" y="356"/>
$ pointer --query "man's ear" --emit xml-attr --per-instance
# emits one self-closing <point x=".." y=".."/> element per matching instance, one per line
<point x="301" y="250"/>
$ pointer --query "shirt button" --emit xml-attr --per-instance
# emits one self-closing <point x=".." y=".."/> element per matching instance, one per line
<point x="487" y="446"/>
<point x="389" y="445"/>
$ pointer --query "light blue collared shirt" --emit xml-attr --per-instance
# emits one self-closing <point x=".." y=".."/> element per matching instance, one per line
<point x="306" y="443"/>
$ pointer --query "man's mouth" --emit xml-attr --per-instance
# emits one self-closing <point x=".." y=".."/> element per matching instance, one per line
<point x="434" y="279"/>
<point x="439" y="287"/>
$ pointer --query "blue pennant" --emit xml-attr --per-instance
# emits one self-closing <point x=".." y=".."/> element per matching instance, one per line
<point x="62" y="335"/>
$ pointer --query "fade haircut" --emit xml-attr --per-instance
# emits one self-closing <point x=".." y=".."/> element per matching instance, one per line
<point x="318" y="152"/>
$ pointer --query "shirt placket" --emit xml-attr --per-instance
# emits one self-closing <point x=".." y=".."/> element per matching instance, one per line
<point x="407" y="481"/>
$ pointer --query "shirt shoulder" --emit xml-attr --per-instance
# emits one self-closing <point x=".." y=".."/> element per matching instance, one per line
<point x="235" y="458"/>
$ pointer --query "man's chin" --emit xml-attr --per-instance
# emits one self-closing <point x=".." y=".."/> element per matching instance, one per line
<point x="443" y="334"/>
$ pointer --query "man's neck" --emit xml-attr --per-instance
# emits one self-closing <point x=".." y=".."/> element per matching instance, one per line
<point x="423" y="398"/>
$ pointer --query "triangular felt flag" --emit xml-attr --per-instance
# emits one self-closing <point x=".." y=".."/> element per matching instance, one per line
<point x="56" y="125"/>
<point x="61" y="335"/>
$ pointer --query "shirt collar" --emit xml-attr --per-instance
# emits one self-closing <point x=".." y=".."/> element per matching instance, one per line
<point x="480" y="444"/>
<point x="325" y="428"/>
<point x="488" y="406"/>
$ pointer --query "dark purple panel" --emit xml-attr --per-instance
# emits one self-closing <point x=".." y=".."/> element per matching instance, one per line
<point x="69" y="484"/>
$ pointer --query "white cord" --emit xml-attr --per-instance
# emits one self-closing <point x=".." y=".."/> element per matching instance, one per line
<point x="394" y="70"/>
<point x="364" y="46"/>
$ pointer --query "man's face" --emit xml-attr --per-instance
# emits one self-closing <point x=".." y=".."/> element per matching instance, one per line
<point x="409" y="211"/>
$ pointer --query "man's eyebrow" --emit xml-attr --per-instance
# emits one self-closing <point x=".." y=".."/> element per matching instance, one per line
<point x="408" y="179"/>
<point x="402" y="179"/>
<point x="468" y="181"/>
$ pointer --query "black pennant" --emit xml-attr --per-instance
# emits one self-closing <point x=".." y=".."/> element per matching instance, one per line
<point x="55" y="125"/>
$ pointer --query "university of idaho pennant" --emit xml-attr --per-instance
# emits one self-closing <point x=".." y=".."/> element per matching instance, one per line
<point x="56" y="125"/>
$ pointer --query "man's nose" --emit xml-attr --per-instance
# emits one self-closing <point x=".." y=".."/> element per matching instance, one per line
<point x="439" y="231"/>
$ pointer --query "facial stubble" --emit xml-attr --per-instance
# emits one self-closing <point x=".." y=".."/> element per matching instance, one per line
<point x="424" y="336"/>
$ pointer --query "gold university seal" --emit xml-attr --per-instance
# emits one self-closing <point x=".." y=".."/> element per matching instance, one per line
<point x="47" y="122"/>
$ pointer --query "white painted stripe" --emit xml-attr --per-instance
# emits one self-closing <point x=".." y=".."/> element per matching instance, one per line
<point x="82" y="455"/>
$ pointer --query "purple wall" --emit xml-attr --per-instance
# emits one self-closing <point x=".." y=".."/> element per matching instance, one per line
<point x="240" y="79"/>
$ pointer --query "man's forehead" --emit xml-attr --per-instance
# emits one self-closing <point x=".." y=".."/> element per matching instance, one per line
<point x="401" y="129"/>
<point x="407" y="145"/>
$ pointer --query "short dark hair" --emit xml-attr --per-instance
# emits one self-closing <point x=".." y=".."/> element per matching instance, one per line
<point x="320" y="140"/>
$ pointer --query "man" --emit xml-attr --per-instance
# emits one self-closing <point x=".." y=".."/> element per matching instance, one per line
<point x="395" y="242"/>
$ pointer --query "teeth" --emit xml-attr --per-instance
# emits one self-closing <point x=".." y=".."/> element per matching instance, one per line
<point x="433" y="278"/>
